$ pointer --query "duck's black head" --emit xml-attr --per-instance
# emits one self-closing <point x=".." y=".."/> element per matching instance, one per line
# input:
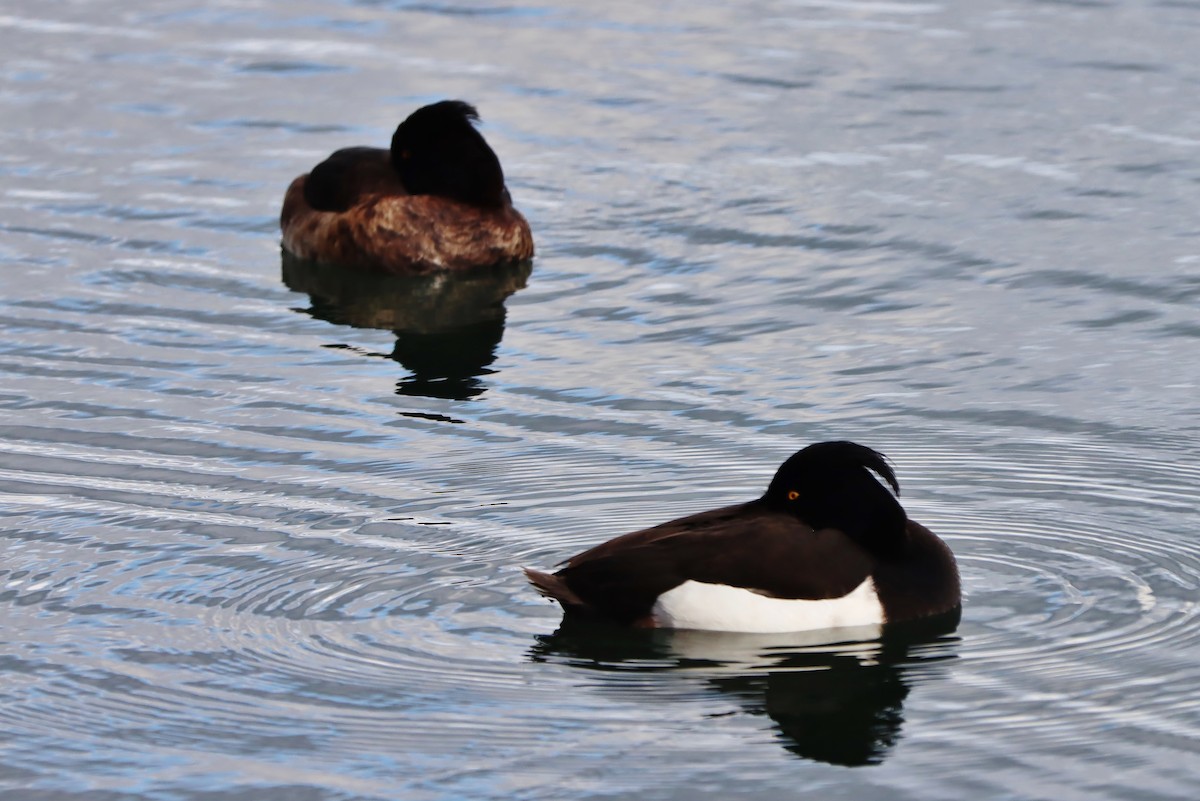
<point x="829" y="485"/>
<point x="437" y="151"/>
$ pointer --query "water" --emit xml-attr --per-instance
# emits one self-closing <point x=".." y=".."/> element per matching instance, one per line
<point x="258" y="545"/>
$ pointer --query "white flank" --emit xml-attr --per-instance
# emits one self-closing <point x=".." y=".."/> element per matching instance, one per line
<point x="719" y="607"/>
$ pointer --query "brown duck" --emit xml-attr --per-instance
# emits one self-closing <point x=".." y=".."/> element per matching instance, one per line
<point x="436" y="201"/>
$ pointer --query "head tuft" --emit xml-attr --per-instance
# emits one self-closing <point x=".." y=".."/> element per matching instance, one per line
<point x="839" y="455"/>
<point x="444" y="112"/>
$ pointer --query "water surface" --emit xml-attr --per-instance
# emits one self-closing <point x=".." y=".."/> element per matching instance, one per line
<point x="261" y="527"/>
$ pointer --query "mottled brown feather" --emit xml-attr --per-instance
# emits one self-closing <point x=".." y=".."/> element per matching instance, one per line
<point x="401" y="233"/>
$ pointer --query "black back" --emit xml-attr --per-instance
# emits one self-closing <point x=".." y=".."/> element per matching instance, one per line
<point x="824" y="526"/>
<point x="437" y="151"/>
<point x="747" y="545"/>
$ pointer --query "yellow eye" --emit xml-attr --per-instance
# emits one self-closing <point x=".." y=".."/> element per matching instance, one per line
<point x="793" y="495"/>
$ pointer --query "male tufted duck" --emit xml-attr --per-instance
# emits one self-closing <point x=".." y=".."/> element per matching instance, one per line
<point x="435" y="201"/>
<point x="827" y="546"/>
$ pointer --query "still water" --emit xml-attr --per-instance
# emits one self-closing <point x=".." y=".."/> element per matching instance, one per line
<point x="261" y="524"/>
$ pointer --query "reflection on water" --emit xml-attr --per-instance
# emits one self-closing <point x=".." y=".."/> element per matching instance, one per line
<point x="447" y="326"/>
<point x="447" y="364"/>
<point x="834" y="696"/>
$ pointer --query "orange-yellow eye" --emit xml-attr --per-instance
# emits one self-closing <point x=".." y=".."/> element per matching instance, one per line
<point x="793" y="495"/>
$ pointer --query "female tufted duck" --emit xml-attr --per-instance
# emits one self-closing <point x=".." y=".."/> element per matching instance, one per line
<point x="827" y="546"/>
<point x="435" y="201"/>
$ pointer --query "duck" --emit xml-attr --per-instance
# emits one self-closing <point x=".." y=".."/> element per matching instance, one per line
<point x="435" y="201"/>
<point x="827" y="546"/>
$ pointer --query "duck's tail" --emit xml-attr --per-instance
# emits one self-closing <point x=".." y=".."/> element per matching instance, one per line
<point x="552" y="586"/>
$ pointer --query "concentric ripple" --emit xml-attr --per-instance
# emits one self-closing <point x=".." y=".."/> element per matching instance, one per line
<point x="269" y="620"/>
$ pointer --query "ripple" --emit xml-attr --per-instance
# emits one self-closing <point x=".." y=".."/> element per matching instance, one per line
<point x="1070" y="595"/>
<point x="245" y="557"/>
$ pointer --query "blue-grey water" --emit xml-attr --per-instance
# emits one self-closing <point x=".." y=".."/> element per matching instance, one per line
<point x="261" y="525"/>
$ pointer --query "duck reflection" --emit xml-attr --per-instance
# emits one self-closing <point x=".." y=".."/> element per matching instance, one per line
<point x="447" y="326"/>
<point x="835" y="697"/>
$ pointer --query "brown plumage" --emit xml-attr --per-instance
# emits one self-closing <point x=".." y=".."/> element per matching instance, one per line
<point x="435" y="201"/>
